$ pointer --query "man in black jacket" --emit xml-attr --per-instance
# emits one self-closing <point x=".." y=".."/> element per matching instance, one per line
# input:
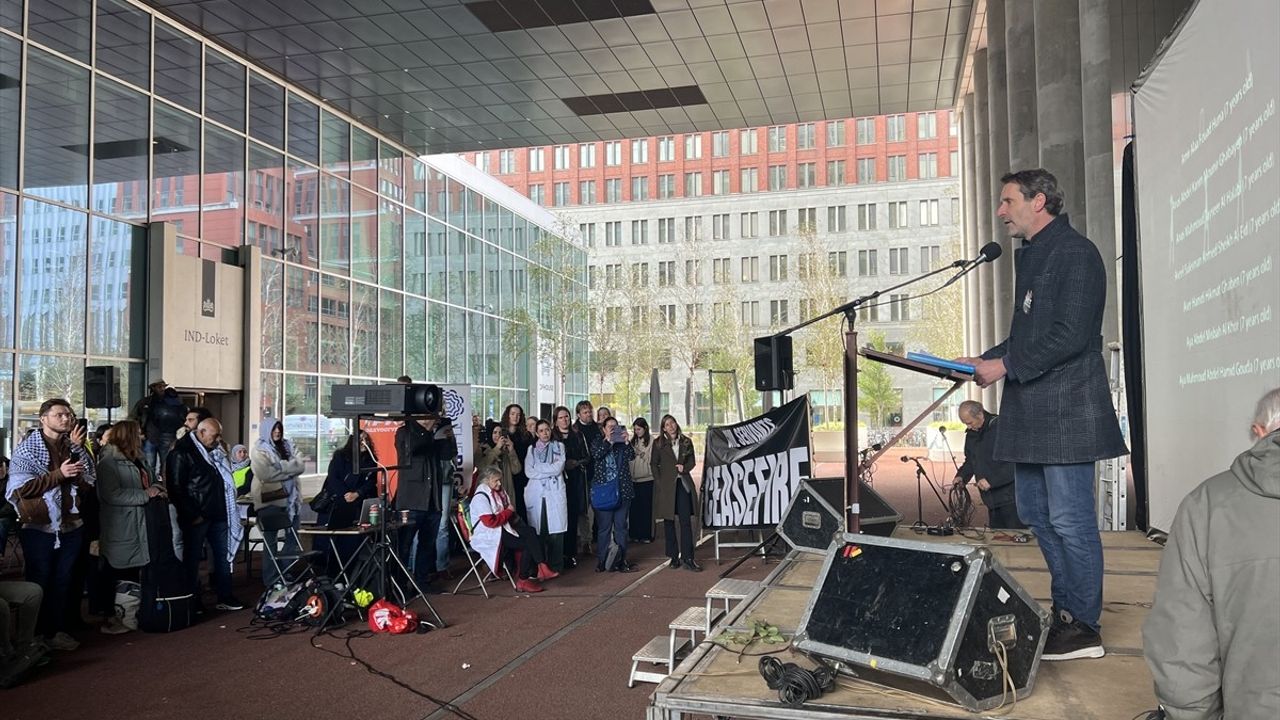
<point x="197" y="490"/>
<point x="1058" y="418"/>
<point x="428" y="455"/>
<point x="994" y="477"/>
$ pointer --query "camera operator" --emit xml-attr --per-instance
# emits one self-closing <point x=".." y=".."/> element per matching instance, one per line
<point x="425" y="447"/>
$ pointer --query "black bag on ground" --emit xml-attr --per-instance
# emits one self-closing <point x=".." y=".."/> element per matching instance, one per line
<point x="168" y="602"/>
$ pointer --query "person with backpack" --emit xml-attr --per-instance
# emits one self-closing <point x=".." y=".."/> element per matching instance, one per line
<point x="276" y="467"/>
<point x="611" y="494"/>
<point x="125" y="485"/>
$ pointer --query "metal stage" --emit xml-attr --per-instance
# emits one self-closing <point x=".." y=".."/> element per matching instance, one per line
<point x="710" y="682"/>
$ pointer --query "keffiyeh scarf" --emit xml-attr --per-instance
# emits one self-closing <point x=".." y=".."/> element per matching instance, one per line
<point x="30" y="461"/>
<point x="235" y="531"/>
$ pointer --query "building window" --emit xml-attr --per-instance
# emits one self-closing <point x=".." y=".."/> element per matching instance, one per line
<point x="777" y="177"/>
<point x="750" y="269"/>
<point x="640" y="274"/>
<point x="955" y="211"/>
<point x="930" y="257"/>
<point x="613" y="275"/>
<point x="869" y="313"/>
<point x="667" y="273"/>
<point x="692" y="316"/>
<point x="719" y="182"/>
<point x="720" y="226"/>
<point x="612" y="190"/>
<point x="562" y="157"/>
<point x="587" y="155"/>
<point x="692" y="272"/>
<point x="927" y="165"/>
<point x="693" y="228"/>
<point x="639" y="232"/>
<point x="808" y="220"/>
<point x="866" y="171"/>
<point x="838" y="263"/>
<point x="693" y="184"/>
<point x="561" y="194"/>
<point x="806" y="136"/>
<point x="613" y="234"/>
<point x="588" y="232"/>
<point x="506" y="162"/>
<point x="897" y="168"/>
<point x="778" y="312"/>
<point x="835" y="133"/>
<point x="750" y="180"/>
<point x="778" y="138"/>
<point x="592" y="272"/>
<point x="835" y="173"/>
<point x="613" y="153"/>
<point x="482" y="161"/>
<point x="807" y="266"/>
<point x="666" y="186"/>
<point x="898" y="264"/>
<point x="867" y="263"/>
<point x="640" y="152"/>
<point x="666" y="149"/>
<point x="667" y="315"/>
<point x="640" y="188"/>
<point x="954" y="169"/>
<point x="898" y="214"/>
<point x="928" y="213"/>
<point x="750" y="313"/>
<point x="720" y="271"/>
<point x="927" y="125"/>
<point x="750" y="225"/>
<point x="867" y="216"/>
<point x="537" y="159"/>
<point x="866" y="129"/>
<point x="538" y="193"/>
<point x="692" y="147"/>
<point x="587" y="192"/>
<point x="666" y="230"/>
<point x="896" y="128"/>
<point x="806" y="175"/>
<point x="836" y="218"/>
<point x="720" y="144"/>
<point x="777" y="268"/>
<point x="899" y="308"/>
<point x="777" y="223"/>
<point x="747" y="144"/>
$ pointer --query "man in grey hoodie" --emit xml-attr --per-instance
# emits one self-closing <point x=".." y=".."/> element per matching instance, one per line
<point x="1212" y="639"/>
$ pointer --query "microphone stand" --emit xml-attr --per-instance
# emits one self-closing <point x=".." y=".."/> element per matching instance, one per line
<point x="922" y="476"/>
<point x="852" y="468"/>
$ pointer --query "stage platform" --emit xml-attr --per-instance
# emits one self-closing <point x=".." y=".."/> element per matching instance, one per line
<point x="710" y="682"/>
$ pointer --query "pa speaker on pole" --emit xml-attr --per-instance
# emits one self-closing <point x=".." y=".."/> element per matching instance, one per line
<point x="102" y="387"/>
<point x="774" y="369"/>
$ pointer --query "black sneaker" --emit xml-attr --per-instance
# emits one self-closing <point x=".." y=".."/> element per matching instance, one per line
<point x="1073" y="641"/>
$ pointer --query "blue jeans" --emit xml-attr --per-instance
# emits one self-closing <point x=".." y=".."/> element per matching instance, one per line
<point x="50" y="568"/>
<point x="612" y="522"/>
<point x="424" y="526"/>
<point x="1057" y="503"/>
<point x="442" y="535"/>
<point x="193" y="542"/>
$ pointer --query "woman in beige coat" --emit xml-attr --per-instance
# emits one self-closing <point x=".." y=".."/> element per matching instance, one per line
<point x="675" y="499"/>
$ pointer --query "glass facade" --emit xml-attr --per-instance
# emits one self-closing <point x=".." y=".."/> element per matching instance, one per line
<point x="375" y="262"/>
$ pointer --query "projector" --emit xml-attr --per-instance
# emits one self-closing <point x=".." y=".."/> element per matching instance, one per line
<point x="394" y="399"/>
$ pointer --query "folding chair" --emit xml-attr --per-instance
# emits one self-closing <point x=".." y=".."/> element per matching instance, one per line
<point x="462" y="528"/>
<point x="279" y="522"/>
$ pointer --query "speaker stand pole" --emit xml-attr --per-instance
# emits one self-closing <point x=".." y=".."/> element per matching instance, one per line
<point x="852" y="509"/>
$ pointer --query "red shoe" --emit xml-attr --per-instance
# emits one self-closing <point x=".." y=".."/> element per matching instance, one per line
<point x="528" y="585"/>
<point x="545" y="573"/>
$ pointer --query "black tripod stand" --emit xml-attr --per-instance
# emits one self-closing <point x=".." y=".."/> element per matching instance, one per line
<point x="922" y="477"/>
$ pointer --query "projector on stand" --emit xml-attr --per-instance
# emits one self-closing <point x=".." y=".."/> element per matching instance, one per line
<point x="393" y="399"/>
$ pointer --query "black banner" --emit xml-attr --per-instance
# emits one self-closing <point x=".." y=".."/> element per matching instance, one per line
<point x="752" y="469"/>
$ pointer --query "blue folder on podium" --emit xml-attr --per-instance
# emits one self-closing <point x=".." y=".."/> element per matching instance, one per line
<point x="936" y="361"/>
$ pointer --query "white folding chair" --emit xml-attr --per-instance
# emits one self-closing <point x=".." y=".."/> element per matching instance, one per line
<point x="477" y="563"/>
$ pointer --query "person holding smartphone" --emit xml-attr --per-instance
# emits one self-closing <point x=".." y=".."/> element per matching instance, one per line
<point x="611" y="493"/>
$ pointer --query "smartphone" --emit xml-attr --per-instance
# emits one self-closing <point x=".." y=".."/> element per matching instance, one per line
<point x="83" y="424"/>
<point x="618" y="434"/>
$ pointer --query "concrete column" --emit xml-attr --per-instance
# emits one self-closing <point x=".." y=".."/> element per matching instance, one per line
<point x="1000" y="273"/>
<point x="1058" y="101"/>
<point x="1099" y="167"/>
<point x="1020" y="66"/>
<point x="985" y="203"/>
<point x="969" y="244"/>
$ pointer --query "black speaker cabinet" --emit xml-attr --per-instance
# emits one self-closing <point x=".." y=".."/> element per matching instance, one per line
<point x="810" y="522"/>
<point x="774" y="369"/>
<point x="876" y="515"/>
<point x="102" y="387"/>
<point x="924" y="617"/>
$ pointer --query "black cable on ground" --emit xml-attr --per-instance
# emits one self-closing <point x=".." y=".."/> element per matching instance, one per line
<point x="961" y="506"/>
<point x="796" y="685"/>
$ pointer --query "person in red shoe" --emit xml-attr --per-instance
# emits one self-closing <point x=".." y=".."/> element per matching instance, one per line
<point x="496" y="527"/>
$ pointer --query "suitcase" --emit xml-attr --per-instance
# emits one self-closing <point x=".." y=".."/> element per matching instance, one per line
<point x="168" y="602"/>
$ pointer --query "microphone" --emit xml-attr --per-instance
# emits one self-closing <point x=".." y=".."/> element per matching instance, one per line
<point x="990" y="252"/>
<point x="912" y="458"/>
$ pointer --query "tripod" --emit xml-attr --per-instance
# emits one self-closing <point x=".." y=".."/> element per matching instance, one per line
<point x="921" y="478"/>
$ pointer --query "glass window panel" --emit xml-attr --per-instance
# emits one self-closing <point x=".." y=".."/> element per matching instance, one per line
<point x="364" y="234"/>
<point x="364" y="330"/>
<point x="121" y="143"/>
<point x="417" y="191"/>
<point x="335" y="325"/>
<point x="437" y="341"/>
<point x="492" y="274"/>
<point x="65" y="26"/>
<point x="177" y="71"/>
<point x="304" y="129"/>
<point x="53" y="247"/>
<point x="224" y="90"/>
<point x="175" y="191"/>
<point x="506" y="283"/>
<point x="301" y="317"/>
<point x="266" y="201"/>
<point x="223" y="199"/>
<point x="11" y="19"/>
<point x="391" y="344"/>
<point x="456" y="213"/>
<point x="302" y="210"/>
<point x="333" y="431"/>
<point x="8" y="265"/>
<point x="124" y="42"/>
<point x="118" y="289"/>
<point x="271" y="402"/>
<point x="266" y="110"/>
<point x="457" y="358"/>
<point x="475" y="218"/>
<point x="335" y="144"/>
<point x="390" y="243"/>
<point x="364" y="159"/>
<point x="457" y="267"/>
<point x="391" y="172"/>
<point x="7" y="426"/>
<point x="301" y="396"/>
<point x="41" y="377"/>
<point x="415" y="337"/>
<point x="475" y="273"/>
<point x="57" y="129"/>
<point x="415" y="253"/>
<point x="272" y="309"/>
<point x="491" y="351"/>
<point x="437" y="195"/>
<point x="10" y="98"/>
<point x="437" y="260"/>
<point x="335" y="224"/>
<point x="475" y="349"/>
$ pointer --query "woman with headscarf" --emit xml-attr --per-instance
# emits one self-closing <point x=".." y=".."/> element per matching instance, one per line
<point x="675" y="497"/>
<point x="640" y="524"/>
<point x="276" y="468"/>
<point x="545" y="494"/>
